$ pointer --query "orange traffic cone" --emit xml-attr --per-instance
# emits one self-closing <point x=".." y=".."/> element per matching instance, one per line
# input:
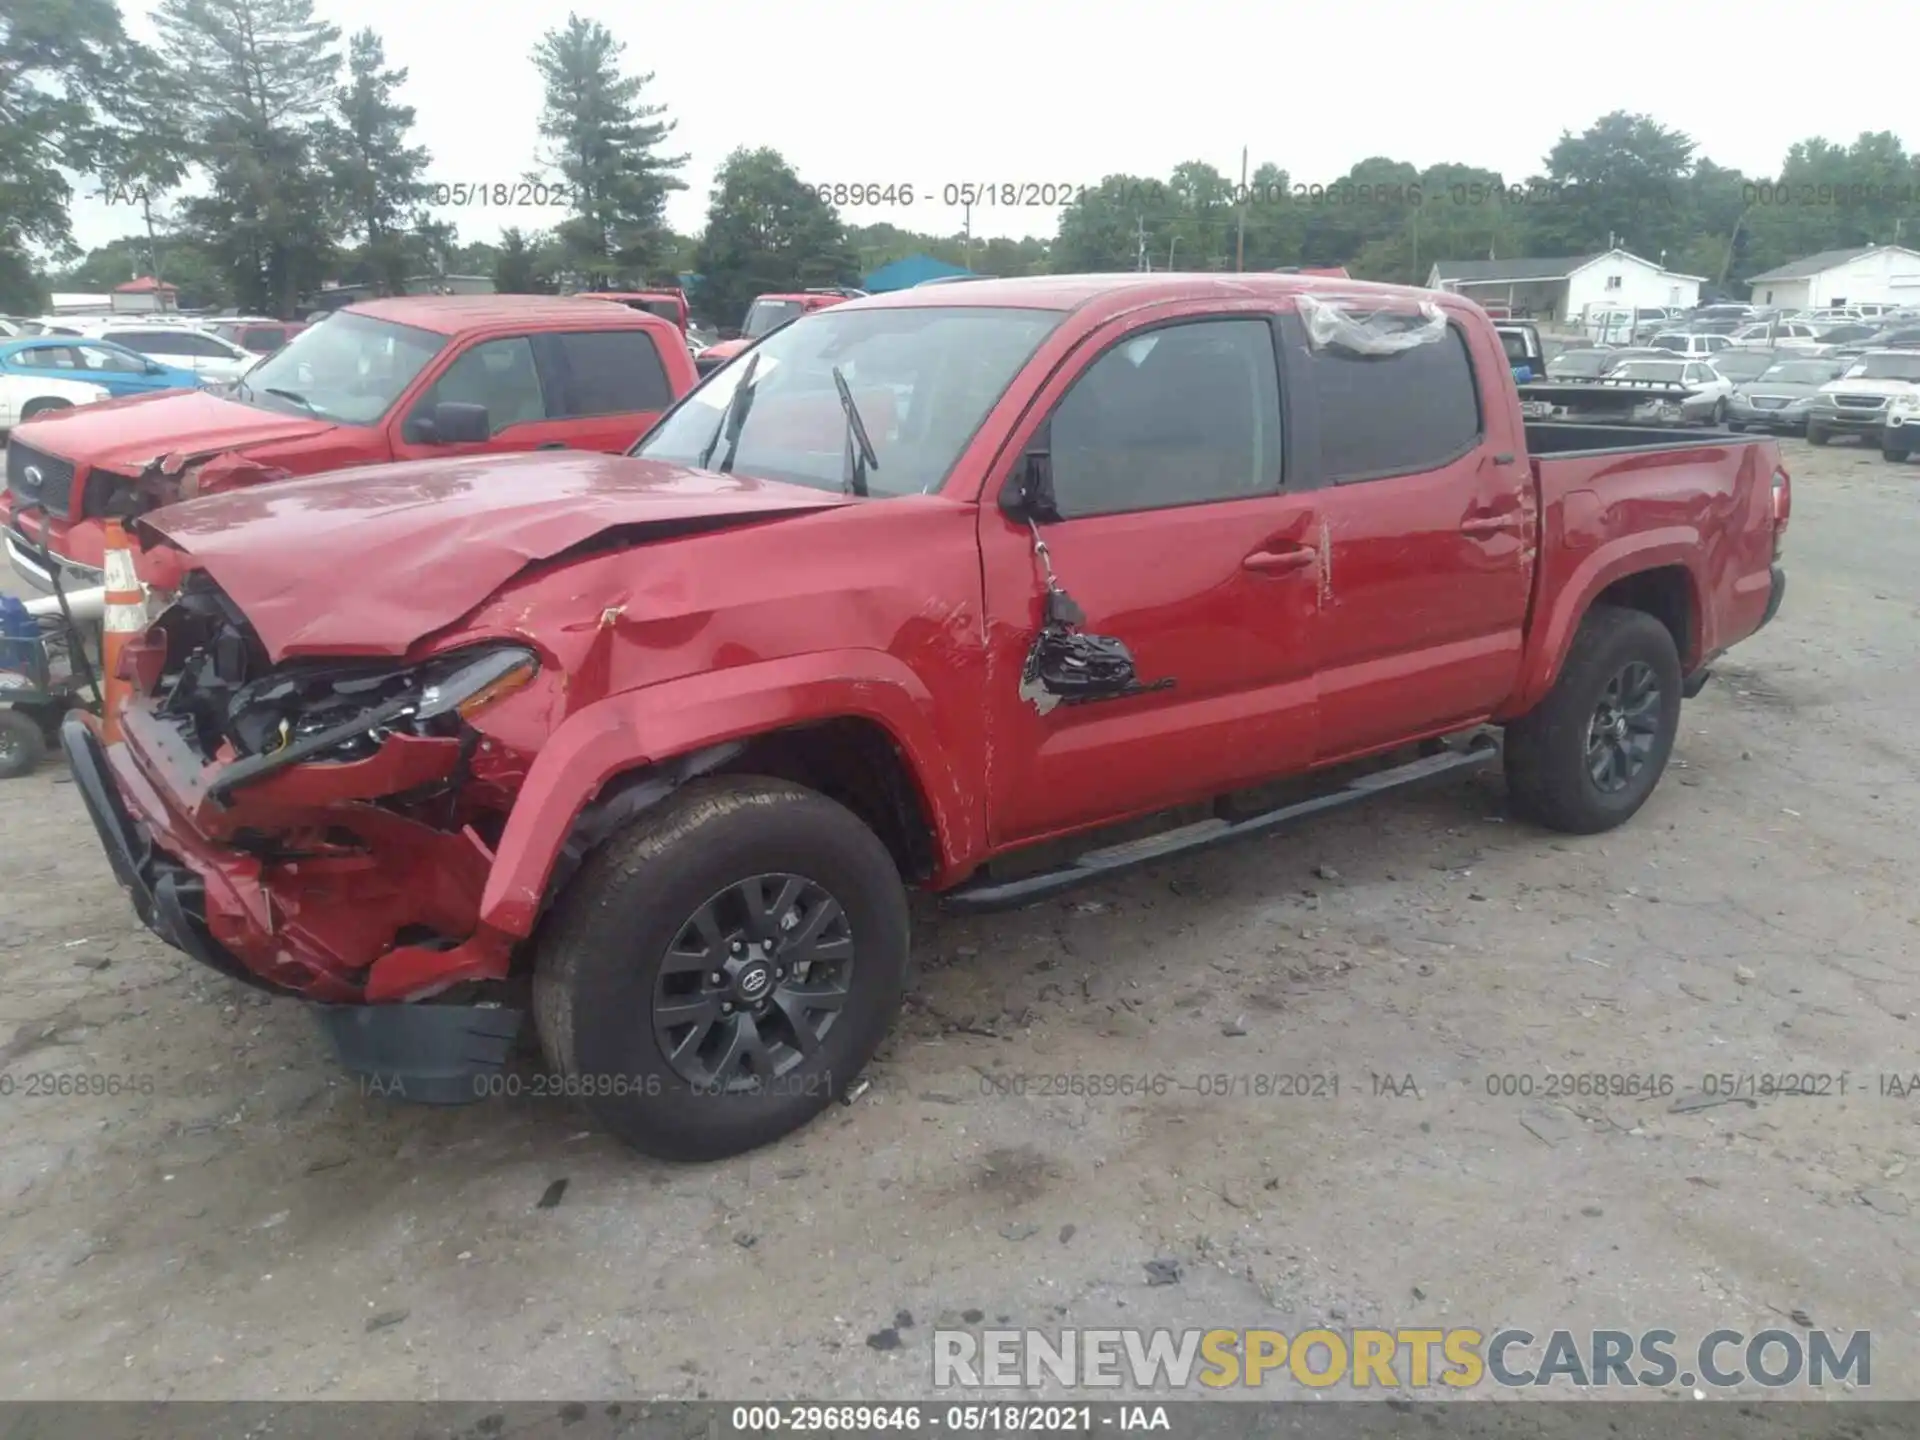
<point x="126" y="617"/>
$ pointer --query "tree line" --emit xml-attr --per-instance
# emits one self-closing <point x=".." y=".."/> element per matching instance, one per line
<point x="263" y="156"/>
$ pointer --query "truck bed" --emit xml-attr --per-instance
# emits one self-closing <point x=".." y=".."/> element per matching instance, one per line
<point x="1576" y="437"/>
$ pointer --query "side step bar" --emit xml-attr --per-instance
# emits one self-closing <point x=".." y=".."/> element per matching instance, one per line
<point x="985" y="895"/>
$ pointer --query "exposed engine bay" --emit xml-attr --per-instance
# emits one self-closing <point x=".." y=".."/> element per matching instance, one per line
<point x="217" y="686"/>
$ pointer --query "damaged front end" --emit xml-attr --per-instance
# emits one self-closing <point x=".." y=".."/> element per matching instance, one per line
<point x="322" y="828"/>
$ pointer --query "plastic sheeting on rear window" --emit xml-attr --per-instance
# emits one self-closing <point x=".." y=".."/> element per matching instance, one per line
<point x="1363" y="329"/>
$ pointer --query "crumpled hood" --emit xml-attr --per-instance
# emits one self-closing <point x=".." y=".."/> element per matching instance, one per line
<point x="127" y="434"/>
<point x="370" y="560"/>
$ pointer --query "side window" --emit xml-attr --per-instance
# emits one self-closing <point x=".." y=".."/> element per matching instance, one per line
<point x="49" y="357"/>
<point x="498" y="374"/>
<point x="260" y="338"/>
<point x="111" y="361"/>
<point x="204" y="346"/>
<point x="1398" y="414"/>
<point x="148" y="344"/>
<point x="1174" y="416"/>
<point x="607" y="372"/>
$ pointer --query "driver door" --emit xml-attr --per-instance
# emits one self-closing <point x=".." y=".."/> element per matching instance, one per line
<point x="504" y="376"/>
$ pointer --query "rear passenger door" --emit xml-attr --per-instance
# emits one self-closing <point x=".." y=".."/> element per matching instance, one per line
<point x="1180" y="535"/>
<point x="606" y="387"/>
<point x="1427" y="521"/>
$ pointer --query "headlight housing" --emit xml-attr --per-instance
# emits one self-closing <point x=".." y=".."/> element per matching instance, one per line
<point x="481" y="678"/>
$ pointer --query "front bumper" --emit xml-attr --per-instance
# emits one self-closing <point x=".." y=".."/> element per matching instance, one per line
<point x="24" y="558"/>
<point x="181" y="890"/>
<point x="1857" y="422"/>
<point x="1771" y="418"/>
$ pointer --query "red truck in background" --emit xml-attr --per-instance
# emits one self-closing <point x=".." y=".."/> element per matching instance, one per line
<point x="398" y="379"/>
<point x="927" y="590"/>
<point x="669" y="305"/>
<point x="769" y="312"/>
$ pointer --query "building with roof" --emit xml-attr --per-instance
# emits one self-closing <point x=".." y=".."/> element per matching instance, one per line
<point x="1865" y="274"/>
<point x="145" y="296"/>
<point x="913" y="270"/>
<point x="1567" y="287"/>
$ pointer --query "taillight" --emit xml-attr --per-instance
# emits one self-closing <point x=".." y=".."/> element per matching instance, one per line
<point x="1782" y="507"/>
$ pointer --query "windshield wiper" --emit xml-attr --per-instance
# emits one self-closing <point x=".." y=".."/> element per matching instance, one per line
<point x="860" y="456"/>
<point x="293" y="395"/>
<point x="733" y="419"/>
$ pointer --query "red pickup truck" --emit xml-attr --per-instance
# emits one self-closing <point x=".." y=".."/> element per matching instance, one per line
<point x="768" y="313"/>
<point x="931" y="589"/>
<point x="402" y="379"/>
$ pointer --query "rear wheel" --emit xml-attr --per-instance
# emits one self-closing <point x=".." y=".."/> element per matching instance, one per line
<point x="723" y="969"/>
<point x="22" y="746"/>
<point x="1588" y="756"/>
<point x="1817" y="436"/>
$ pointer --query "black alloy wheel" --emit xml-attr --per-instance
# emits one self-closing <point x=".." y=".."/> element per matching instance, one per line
<point x="753" y="982"/>
<point x="1624" y="728"/>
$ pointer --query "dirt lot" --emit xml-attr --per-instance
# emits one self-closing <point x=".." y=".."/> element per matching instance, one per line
<point x="258" y="1227"/>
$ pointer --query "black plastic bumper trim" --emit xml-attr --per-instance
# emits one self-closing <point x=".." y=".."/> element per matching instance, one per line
<point x="430" y="1054"/>
<point x="1777" y="594"/>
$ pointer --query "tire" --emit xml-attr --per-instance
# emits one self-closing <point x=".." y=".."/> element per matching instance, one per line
<point x="1895" y="453"/>
<point x="1719" y="416"/>
<point x="22" y="745"/>
<point x="42" y="407"/>
<point x="1737" y="427"/>
<point x="601" y="967"/>
<point x="1817" y="436"/>
<point x="1551" y="751"/>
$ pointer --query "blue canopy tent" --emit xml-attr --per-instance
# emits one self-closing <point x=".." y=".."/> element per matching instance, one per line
<point x="914" y="270"/>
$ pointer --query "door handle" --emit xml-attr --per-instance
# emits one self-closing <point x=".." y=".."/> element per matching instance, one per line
<point x="1275" y="562"/>
<point x="1479" y="525"/>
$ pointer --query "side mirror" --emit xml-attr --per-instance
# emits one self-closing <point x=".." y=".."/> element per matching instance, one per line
<point x="1029" y="494"/>
<point x="452" y="422"/>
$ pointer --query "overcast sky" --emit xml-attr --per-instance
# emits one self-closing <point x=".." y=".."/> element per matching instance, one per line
<point x="996" y="91"/>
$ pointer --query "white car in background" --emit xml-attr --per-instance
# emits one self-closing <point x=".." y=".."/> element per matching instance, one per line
<point x="24" y="396"/>
<point x="184" y="347"/>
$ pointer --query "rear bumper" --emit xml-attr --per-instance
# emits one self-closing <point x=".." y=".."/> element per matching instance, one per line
<point x="1775" y="595"/>
<point x="434" y="1053"/>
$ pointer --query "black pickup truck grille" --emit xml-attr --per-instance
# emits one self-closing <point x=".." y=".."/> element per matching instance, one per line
<point x="39" y="479"/>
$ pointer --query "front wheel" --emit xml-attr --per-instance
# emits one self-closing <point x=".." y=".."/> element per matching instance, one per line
<point x="1817" y="436"/>
<point x="1737" y="427"/>
<point x="1891" y="451"/>
<point x="722" y="970"/>
<point x="22" y="745"/>
<point x="1719" y="416"/>
<point x="1588" y="756"/>
<point x="42" y="407"/>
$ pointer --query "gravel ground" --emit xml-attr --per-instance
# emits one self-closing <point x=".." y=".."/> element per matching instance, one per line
<point x="257" y="1227"/>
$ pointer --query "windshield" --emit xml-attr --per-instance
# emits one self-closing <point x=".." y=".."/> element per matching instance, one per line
<point x="1648" y="370"/>
<point x="1579" y="362"/>
<point x="922" y="380"/>
<point x="1736" y="366"/>
<point x="765" y="315"/>
<point x="665" y="309"/>
<point x="350" y="369"/>
<point x="1886" y="367"/>
<point x="1800" y="372"/>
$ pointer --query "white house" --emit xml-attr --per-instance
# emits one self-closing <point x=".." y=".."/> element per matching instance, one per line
<point x="1866" y="274"/>
<point x="1565" y="288"/>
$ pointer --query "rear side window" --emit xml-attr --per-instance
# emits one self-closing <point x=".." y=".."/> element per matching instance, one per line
<point x="1397" y="414"/>
<point x="606" y="372"/>
<point x="260" y="338"/>
<point x="149" y="344"/>
<point x="1176" y="416"/>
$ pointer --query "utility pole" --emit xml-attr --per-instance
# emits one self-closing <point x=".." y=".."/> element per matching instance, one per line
<point x="966" y="238"/>
<point x="1240" y="237"/>
<point x="1140" y="261"/>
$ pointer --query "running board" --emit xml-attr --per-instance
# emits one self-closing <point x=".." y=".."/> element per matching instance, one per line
<point x="985" y="895"/>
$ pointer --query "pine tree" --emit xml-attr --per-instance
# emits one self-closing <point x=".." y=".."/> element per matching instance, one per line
<point x="605" y="147"/>
<point x="254" y="79"/>
<point x="376" y="175"/>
